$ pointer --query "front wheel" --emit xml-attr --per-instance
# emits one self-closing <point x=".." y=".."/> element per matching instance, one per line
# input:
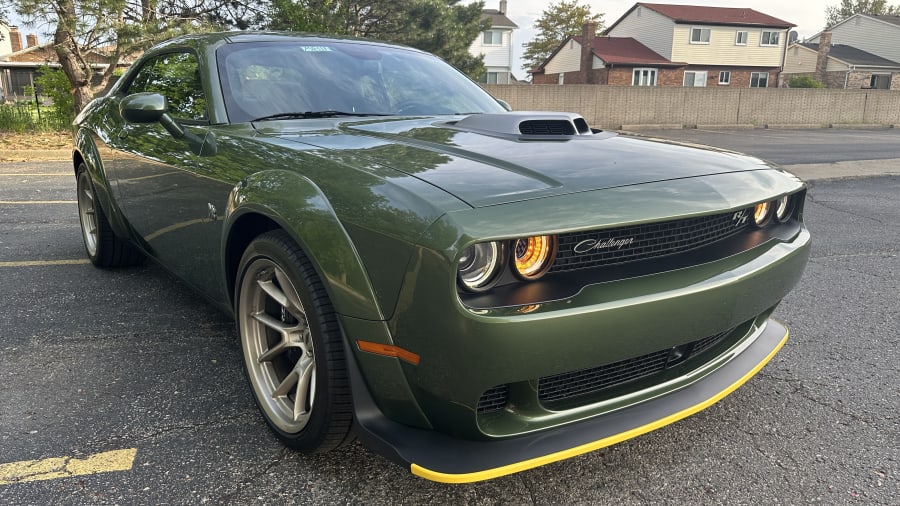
<point x="292" y="345"/>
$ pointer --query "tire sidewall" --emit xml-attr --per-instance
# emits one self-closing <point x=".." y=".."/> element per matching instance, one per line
<point x="310" y="437"/>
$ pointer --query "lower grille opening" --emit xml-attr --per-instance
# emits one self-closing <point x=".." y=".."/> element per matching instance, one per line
<point x="565" y="386"/>
<point x="494" y="399"/>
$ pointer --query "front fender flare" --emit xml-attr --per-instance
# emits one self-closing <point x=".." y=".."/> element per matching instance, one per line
<point x="299" y="207"/>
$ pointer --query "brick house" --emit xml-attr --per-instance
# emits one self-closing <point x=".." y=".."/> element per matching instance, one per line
<point x="861" y="51"/>
<point x="19" y="66"/>
<point x="617" y="61"/>
<point x="841" y="66"/>
<point x="720" y="46"/>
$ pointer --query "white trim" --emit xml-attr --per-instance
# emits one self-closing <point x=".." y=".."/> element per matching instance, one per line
<point x="701" y="29"/>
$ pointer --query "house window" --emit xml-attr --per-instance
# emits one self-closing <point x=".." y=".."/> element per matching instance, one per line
<point x="880" y="82"/>
<point x="493" y="38"/>
<point x="694" y="79"/>
<point x="759" y="79"/>
<point x="491" y="78"/>
<point x="769" y="38"/>
<point x="699" y="35"/>
<point x="740" y="38"/>
<point x="725" y="77"/>
<point x="561" y="79"/>
<point x="644" y="77"/>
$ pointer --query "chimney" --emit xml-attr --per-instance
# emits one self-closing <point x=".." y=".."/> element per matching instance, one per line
<point x="15" y="38"/>
<point x="502" y="6"/>
<point x="822" y="57"/>
<point x="588" y="32"/>
<point x="32" y="39"/>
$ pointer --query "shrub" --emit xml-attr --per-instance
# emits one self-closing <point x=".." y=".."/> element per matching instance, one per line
<point x="804" y="82"/>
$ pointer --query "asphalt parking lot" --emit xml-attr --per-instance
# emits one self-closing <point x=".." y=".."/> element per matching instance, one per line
<point x="123" y="386"/>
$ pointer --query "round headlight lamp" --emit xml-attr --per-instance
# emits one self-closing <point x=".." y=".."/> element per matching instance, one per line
<point x="478" y="265"/>
<point x="532" y="256"/>
<point x="761" y="213"/>
<point x="783" y="209"/>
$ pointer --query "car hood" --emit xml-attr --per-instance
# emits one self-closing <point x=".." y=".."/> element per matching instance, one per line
<point x="484" y="168"/>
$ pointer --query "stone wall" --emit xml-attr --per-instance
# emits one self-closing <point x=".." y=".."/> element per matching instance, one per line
<point x="614" y="106"/>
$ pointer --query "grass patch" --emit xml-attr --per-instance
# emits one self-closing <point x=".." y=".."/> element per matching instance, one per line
<point x="24" y="117"/>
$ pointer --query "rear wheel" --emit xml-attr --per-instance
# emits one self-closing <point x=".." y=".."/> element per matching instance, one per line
<point x="101" y="244"/>
<point x="292" y="346"/>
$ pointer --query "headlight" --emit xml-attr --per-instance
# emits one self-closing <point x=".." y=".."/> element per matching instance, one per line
<point x="761" y="213"/>
<point x="478" y="265"/>
<point x="783" y="208"/>
<point x="532" y="256"/>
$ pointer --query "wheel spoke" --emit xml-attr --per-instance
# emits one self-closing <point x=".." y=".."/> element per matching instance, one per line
<point x="273" y="291"/>
<point x="293" y="304"/>
<point x="286" y="384"/>
<point x="305" y="368"/>
<point x="274" y="323"/>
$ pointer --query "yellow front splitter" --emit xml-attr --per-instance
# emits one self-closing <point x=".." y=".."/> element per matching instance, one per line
<point x="441" y="458"/>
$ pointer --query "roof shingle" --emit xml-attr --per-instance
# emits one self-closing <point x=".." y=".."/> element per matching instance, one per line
<point x="716" y="15"/>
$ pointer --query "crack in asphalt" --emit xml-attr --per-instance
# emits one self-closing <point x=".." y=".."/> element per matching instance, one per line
<point x="804" y="391"/>
<point x="279" y="458"/>
<point x="812" y="198"/>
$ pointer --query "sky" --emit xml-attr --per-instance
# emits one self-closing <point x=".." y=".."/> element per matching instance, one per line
<point x="808" y="15"/>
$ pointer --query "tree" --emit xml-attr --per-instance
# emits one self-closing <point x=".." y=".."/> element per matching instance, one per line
<point x="834" y="14"/>
<point x="558" y="21"/>
<point x="442" y="27"/>
<point x="85" y="31"/>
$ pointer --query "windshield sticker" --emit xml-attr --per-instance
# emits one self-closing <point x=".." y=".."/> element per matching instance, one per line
<point x="316" y="49"/>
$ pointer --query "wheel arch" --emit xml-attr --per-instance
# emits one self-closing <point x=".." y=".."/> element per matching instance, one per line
<point x="86" y="152"/>
<point x="284" y="200"/>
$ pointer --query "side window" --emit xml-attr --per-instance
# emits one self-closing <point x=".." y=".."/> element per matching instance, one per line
<point x="177" y="77"/>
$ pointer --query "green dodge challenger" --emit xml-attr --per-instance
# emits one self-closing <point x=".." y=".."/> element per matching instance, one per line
<point x="469" y="291"/>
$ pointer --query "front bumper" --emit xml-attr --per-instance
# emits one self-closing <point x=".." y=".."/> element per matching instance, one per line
<point x="440" y="457"/>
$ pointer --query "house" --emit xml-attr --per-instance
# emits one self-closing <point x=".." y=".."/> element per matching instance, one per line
<point x="619" y="61"/>
<point x="496" y="44"/>
<point x="720" y="46"/>
<point x="841" y="66"/>
<point x="19" y="66"/>
<point x="861" y="51"/>
<point x="879" y="35"/>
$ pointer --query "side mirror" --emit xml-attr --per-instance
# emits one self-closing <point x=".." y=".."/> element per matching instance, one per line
<point x="149" y="108"/>
<point x="143" y="107"/>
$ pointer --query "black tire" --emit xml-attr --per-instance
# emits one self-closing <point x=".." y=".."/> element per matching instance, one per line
<point x="292" y="346"/>
<point x="101" y="244"/>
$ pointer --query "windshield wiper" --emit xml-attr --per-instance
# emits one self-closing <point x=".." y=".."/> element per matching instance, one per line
<point x="329" y="113"/>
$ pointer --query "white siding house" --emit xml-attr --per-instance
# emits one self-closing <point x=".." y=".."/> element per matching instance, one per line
<point x="496" y="44"/>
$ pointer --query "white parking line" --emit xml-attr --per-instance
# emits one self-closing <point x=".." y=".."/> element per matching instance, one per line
<point x="30" y="202"/>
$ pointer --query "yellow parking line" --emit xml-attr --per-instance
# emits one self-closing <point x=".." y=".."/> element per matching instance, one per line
<point x="26" y="202"/>
<point x="65" y="467"/>
<point x="41" y="263"/>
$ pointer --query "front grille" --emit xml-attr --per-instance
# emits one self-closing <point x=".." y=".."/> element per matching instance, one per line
<point x="546" y="127"/>
<point x="494" y="399"/>
<point x="594" y="248"/>
<point x="588" y="381"/>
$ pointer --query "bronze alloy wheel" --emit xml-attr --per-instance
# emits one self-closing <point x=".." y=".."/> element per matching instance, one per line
<point x="87" y="213"/>
<point x="293" y="353"/>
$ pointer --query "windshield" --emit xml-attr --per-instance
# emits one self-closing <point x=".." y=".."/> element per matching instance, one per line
<point x="262" y="79"/>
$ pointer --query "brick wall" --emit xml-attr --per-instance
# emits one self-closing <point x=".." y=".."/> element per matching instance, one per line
<point x="614" y="106"/>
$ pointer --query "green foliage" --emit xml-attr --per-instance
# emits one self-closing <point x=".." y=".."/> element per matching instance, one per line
<point x="54" y="84"/>
<point x="804" y="82"/>
<point x="558" y="21"/>
<point x="25" y="116"/>
<point x="834" y="14"/>
<point x="442" y="27"/>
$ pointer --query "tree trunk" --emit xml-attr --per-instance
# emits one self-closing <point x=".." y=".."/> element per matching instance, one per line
<point x="67" y="52"/>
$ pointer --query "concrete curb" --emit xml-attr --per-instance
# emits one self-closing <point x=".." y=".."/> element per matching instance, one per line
<point x="844" y="170"/>
<point x="29" y="155"/>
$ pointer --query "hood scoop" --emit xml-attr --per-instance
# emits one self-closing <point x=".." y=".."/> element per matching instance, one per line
<point x="525" y="125"/>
